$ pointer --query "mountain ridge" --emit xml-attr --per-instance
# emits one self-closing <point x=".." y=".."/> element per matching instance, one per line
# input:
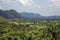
<point x="13" y="14"/>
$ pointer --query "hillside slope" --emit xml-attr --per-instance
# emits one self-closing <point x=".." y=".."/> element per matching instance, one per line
<point x="10" y="14"/>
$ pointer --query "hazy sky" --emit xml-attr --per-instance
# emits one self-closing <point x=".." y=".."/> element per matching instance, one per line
<point x="43" y="7"/>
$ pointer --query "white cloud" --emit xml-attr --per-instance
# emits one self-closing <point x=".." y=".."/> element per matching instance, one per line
<point x="26" y="2"/>
<point x="1" y="7"/>
<point x="6" y="1"/>
<point x="9" y="1"/>
<point x="54" y="3"/>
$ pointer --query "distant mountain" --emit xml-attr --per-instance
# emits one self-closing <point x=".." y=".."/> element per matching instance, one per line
<point x="52" y="17"/>
<point x="30" y="15"/>
<point x="37" y="16"/>
<point x="3" y="14"/>
<point x="12" y="14"/>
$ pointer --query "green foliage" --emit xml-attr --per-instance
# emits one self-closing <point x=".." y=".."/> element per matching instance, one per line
<point x="37" y="30"/>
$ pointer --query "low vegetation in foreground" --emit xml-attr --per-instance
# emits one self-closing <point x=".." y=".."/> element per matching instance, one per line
<point x="29" y="30"/>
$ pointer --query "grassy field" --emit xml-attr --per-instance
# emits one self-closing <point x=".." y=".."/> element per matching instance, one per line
<point x="29" y="30"/>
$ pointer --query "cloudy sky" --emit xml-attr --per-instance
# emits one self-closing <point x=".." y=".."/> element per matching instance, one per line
<point x="43" y="7"/>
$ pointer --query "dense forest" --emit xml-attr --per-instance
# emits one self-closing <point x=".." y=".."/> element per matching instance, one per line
<point x="29" y="29"/>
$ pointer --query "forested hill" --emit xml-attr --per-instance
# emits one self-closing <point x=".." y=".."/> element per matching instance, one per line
<point x="12" y="14"/>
